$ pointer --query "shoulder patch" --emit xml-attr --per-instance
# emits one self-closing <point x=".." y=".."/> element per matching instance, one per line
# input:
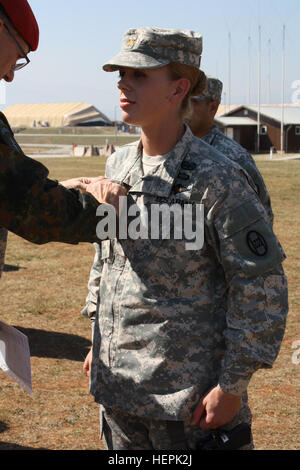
<point x="257" y="243"/>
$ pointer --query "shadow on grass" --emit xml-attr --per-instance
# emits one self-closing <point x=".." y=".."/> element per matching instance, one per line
<point x="3" y="427"/>
<point x="9" y="445"/>
<point x="56" y="345"/>
<point x="9" y="268"/>
<point x="12" y="446"/>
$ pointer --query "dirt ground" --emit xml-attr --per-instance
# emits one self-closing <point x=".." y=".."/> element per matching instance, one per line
<point x="43" y="290"/>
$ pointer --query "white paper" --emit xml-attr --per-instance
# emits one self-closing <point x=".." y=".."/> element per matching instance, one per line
<point x="15" y="356"/>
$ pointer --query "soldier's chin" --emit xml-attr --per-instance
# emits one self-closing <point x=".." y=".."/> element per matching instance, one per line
<point x="129" y="119"/>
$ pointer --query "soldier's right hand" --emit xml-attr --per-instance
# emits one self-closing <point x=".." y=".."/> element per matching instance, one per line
<point x="88" y="363"/>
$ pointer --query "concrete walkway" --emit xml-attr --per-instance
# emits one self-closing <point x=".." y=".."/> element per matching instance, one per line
<point x="276" y="158"/>
<point x="53" y="150"/>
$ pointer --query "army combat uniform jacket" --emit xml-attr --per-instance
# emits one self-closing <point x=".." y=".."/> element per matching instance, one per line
<point x="174" y="323"/>
<point x="36" y="207"/>
<point x="231" y="149"/>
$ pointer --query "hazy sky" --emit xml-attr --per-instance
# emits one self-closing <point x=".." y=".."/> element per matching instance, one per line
<point x="77" y="37"/>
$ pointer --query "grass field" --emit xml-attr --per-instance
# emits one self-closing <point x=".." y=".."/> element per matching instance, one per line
<point x="42" y="292"/>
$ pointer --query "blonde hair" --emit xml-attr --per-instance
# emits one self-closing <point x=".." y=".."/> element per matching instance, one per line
<point x="197" y="79"/>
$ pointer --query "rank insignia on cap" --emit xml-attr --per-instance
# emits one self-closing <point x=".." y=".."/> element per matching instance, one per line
<point x="131" y="42"/>
<point x="257" y="243"/>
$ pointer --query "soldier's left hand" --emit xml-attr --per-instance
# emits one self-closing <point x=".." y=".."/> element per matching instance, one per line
<point x="216" y="409"/>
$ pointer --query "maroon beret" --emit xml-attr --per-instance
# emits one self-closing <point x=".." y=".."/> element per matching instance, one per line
<point x="23" y="19"/>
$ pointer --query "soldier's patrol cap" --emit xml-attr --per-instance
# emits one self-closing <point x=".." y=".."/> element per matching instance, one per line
<point x="22" y="18"/>
<point x="213" y="90"/>
<point x="152" y="48"/>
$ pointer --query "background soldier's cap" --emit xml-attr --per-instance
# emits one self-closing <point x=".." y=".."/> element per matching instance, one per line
<point x="213" y="89"/>
<point x="151" y="48"/>
<point x="22" y="18"/>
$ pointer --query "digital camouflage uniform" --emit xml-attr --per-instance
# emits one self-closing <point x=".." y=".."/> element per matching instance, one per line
<point x="35" y="207"/>
<point x="175" y="323"/>
<point x="231" y="149"/>
<point x="171" y="324"/>
<point x="237" y="153"/>
<point x="90" y="307"/>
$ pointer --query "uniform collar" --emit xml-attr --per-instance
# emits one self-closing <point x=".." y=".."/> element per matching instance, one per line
<point x="161" y="179"/>
<point x="209" y="138"/>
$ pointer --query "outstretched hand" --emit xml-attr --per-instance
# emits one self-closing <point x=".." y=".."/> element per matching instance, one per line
<point x="106" y="192"/>
<point x="79" y="183"/>
<point x="102" y="189"/>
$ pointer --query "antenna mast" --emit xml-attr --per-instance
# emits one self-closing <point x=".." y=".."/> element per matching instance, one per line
<point x="259" y="88"/>
<point x="283" y="80"/>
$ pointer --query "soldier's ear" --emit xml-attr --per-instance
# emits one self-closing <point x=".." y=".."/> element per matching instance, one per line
<point x="214" y="106"/>
<point x="181" y="89"/>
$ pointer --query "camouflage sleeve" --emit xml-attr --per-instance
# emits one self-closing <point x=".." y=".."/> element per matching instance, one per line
<point x="93" y="285"/>
<point x="3" y="238"/>
<point x="257" y="306"/>
<point x="39" y="209"/>
<point x="247" y="162"/>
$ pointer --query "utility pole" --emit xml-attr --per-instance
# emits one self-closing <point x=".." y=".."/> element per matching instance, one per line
<point x="269" y="72"/>
<point x="259" y="88"/>
<point x="282" y="93"/>
<point x="249" y="71"/>
<point x="229" y="70"/>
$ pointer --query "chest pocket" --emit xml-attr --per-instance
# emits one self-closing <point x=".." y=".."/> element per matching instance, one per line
<point x="112" y="253"/>
<point x="164" y="230"/>
<point x="105" y="250"/>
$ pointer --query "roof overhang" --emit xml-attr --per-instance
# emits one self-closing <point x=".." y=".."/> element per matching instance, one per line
<point x="232" y="121"/>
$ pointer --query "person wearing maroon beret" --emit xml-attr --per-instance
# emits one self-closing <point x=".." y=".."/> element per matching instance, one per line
<point x="32" y="205"/>
<point x="22" y="18"/>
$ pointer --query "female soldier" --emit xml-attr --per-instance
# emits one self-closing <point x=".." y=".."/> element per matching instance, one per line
<point x="179" y="332"/>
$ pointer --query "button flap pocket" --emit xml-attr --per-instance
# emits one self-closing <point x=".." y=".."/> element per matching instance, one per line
<point x="105" y="249"/>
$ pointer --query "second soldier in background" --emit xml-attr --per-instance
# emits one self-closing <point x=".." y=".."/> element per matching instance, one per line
<point x="201" y="122"/>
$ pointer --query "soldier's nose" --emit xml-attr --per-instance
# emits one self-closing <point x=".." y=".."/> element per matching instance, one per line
<point x="9" y="76"/>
